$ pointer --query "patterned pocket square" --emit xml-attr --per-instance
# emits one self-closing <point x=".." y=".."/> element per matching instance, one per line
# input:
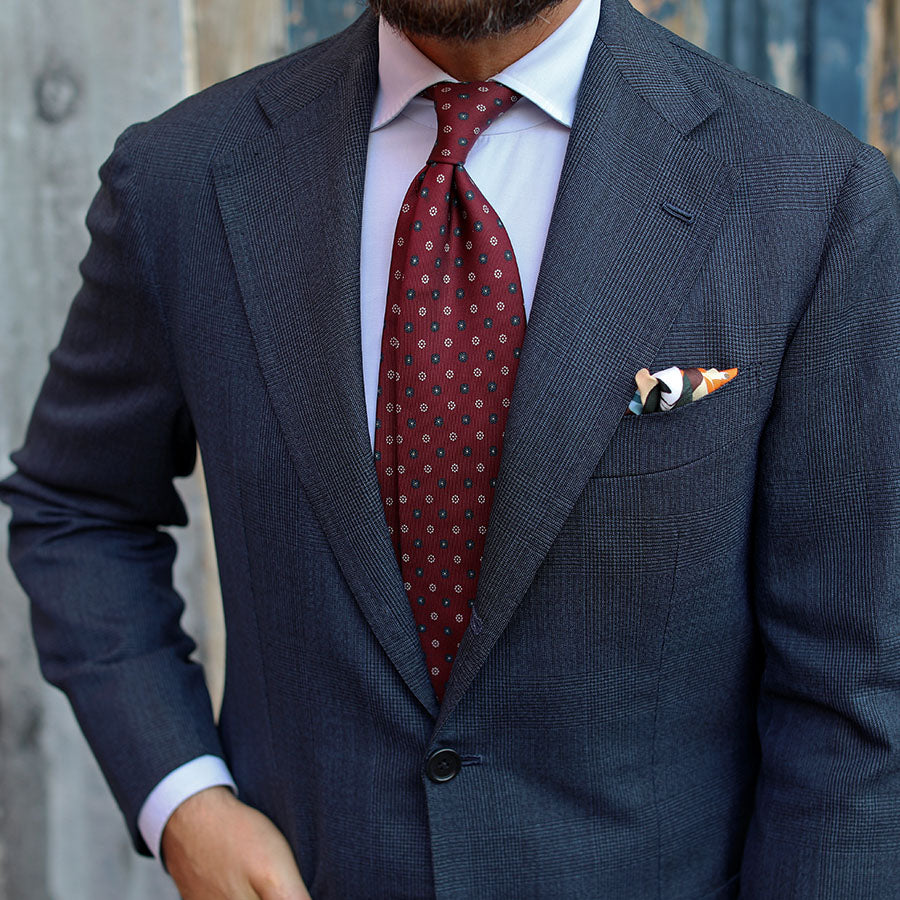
<point x="673" y="387"/>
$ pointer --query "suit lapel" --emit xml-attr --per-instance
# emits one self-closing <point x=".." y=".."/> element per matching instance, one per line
<point x="616" y="268"/>
<point x="291" y="202"/>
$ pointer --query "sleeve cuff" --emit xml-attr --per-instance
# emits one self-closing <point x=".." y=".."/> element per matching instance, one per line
<point x="185" y="781"/>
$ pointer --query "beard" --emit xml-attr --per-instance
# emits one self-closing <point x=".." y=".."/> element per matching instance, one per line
<point x="460" y="20"/>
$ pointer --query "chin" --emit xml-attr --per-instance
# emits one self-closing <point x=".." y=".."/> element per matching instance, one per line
<point x="462" y="20"/>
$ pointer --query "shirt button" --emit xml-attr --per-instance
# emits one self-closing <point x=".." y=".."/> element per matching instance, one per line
<point x="442" y="765"/>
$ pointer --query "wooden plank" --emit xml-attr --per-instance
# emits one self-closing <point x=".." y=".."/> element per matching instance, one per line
<point x="883" y="81"/>
<point x="842" y="57"/>
<point x="312" y="20"/>
<point x="235" y="35"/>
<point x="786" y="45"/>
<point x="72" y="76"/>
<point x="685" y="17"/>
<point x="746" y="38"/>
<point x="718" y="26"/>
<point x="839" y="41"/>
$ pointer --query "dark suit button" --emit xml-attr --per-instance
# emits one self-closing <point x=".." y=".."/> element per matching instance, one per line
<point x="442" y="765"/>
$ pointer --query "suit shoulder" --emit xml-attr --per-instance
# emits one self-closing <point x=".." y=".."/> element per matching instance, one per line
<point x="185" y="137"/>
<point x="762" y="120"/>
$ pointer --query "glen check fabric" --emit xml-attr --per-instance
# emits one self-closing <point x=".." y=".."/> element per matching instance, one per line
<point x="453" y="330"/>
<point x="643" y="713"/>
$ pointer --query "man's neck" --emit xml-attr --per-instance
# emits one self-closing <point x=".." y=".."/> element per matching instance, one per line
<point x="481" y="59"/>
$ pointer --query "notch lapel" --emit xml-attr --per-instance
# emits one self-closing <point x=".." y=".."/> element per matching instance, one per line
<point x="616" y="268"/>
<point x="291" y="202"/>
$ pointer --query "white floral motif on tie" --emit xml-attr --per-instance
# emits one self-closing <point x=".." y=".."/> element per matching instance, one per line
<point x="448" y="370"/>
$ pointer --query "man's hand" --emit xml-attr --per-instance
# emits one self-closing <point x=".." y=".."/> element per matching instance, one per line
<point x="217" y="848"/>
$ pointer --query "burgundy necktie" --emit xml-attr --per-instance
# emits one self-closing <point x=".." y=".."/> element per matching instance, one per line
<point x="453" y="329"/>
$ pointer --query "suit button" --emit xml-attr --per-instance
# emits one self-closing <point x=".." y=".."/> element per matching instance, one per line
<point x="442" y="765"/>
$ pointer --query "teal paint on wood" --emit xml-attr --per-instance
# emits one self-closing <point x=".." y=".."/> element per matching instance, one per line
<point x="717" y="26"/>
<point x="309" y="21"/>
<point x="669" y="8"/>
<point x="815" y="49"/>
<point x="839" y="41"/>
<point x="747" y="37"/>
<point x="786" y="49"/>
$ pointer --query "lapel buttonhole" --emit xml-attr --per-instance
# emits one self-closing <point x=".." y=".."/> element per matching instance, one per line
<point x="683" y="214"/>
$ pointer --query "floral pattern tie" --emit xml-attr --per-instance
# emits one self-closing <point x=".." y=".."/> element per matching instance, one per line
<point x="453" y="329"/>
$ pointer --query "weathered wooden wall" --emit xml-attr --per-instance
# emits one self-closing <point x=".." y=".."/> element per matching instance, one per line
<point x="843" y="56"/>
<point x="309" y="21"/>
<point x="61" y="109"/>
<point x="72" y="76"/>
<point x="883" y="78"/>
<point x="231" y="36"/>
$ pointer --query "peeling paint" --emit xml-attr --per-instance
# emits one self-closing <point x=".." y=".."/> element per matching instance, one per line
<point x="684" y="17"/>
<point x="235" y="35"/>
<point x="883" y="78"/>
<point x="841" y="57"/>
<point x="784" y="60"/>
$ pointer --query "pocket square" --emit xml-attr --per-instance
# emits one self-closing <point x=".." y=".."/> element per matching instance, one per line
<point x="673" y="387"/>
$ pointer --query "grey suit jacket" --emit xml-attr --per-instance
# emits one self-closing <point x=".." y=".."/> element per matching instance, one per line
<point x="681" y="675"/>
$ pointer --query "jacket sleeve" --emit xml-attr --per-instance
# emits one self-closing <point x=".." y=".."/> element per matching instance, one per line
<point x="91" y="494"/>
<point x="826" y="573"/>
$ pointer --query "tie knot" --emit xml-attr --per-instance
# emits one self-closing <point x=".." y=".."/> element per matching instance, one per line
<point x="464" y="110"/>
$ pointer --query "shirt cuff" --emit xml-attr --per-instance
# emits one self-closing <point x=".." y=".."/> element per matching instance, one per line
<point x="185" y="781"/>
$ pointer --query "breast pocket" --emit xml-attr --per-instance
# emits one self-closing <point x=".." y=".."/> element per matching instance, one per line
<point x="656" y="442"/>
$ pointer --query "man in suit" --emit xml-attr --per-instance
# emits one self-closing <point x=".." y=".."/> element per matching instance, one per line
<point x="679" y="671"/>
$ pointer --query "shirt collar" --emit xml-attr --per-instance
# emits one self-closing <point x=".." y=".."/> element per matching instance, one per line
<point x="549" y="75"/>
